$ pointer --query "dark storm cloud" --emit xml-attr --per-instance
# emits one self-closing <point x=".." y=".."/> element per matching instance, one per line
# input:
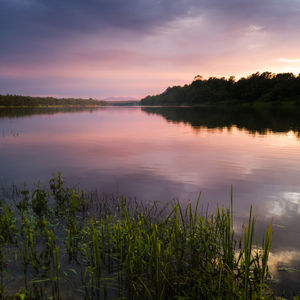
<point x="34" y="29"/>
<point x="61" y="16"/>
<point x="56" y="18"/>
<point x="29" y="26"/>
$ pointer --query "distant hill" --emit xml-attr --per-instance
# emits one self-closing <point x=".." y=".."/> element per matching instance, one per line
<point x="257" y="89"/>
<point x="124" y="103"/>
<point x="114" y="99"/>
<point x="121" y="101"/>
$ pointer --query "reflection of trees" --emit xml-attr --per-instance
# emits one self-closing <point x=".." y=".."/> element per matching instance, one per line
<point x="253" y="120"/>
<point x="24" y="112"/>
<point x="8" y="133"/>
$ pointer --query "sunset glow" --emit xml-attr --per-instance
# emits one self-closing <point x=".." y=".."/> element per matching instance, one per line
<point x="135" y="48"/>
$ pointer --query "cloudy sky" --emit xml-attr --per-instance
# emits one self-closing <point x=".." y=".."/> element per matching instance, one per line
<point x="101" y="48"/>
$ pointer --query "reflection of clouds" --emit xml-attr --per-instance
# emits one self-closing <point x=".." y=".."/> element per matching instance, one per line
<point x="288" y="205"/>
<point x="110" y="140"/>
<point x="283" y="211"/>
<point x="293" y="197"/>
<point x="142" y="155"/>
<point x="277" y="209"/>
<point x="127" y="151"/>
<point x="283" y="259"/>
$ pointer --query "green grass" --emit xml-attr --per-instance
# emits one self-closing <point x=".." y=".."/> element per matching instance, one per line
<point x="60" y="243"/>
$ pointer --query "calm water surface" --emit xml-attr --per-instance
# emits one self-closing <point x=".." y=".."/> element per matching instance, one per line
<point x="159" y="154"/>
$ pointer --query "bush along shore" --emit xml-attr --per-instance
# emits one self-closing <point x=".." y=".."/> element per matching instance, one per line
<point x="61" y="243"/>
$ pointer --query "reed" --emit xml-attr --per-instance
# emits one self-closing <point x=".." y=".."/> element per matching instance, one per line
<point x="70" y="245"/>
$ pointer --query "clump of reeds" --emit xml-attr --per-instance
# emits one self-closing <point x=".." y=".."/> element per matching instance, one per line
<point x="61" y="244"/>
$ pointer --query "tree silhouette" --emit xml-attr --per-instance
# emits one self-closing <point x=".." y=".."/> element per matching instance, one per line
<point x="258" y="88"/>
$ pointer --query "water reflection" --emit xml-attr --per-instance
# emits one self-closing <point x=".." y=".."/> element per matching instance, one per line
<point x="138" y="153"/>
<point x="11" y="113"/>
<point x="285" y="269"/>
<point x="9" y="133"/>
<point x="253" y="120"/>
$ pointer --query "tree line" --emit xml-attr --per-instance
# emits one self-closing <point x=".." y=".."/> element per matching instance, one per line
<point x="267" y="87"/>
<point x="27" y="101"/>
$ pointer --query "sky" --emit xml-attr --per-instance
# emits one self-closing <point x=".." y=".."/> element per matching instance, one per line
<point x="104" y="48"/>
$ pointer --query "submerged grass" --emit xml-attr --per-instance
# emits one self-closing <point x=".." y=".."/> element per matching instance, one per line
<point x="63" y="244"/>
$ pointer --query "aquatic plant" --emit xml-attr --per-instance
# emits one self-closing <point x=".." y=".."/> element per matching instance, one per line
<point x="64" y="243"/>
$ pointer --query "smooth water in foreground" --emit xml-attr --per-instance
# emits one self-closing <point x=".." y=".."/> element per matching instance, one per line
<point x="157" y="154"/>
